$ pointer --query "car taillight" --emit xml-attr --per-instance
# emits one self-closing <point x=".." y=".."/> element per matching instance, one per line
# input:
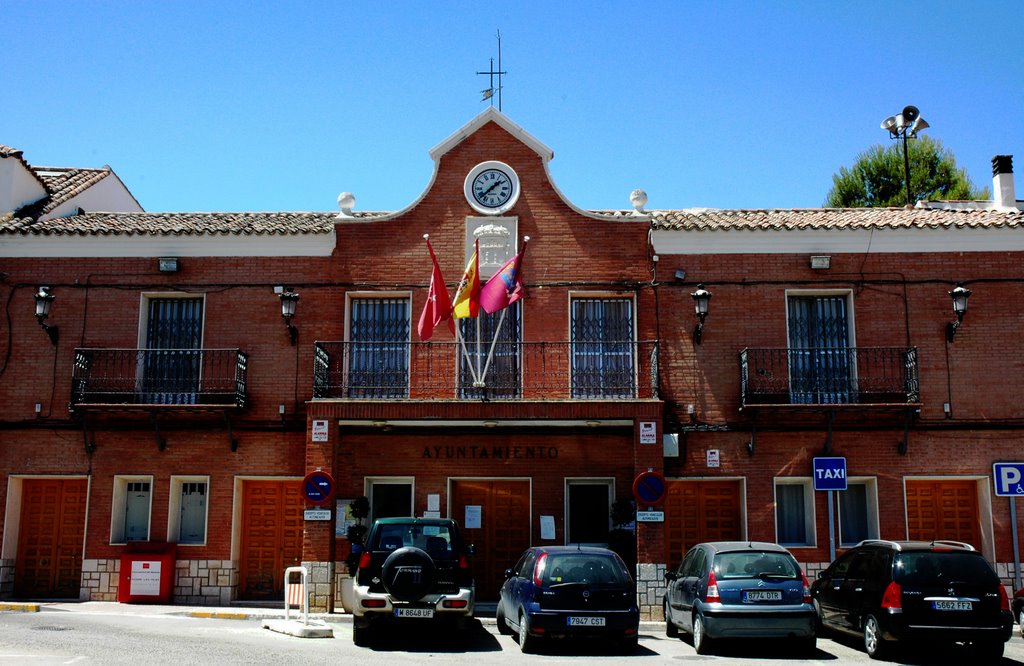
<point x="538" y="570"/>
<point x="807" y="589"/>
<point x="454" y="603"/>
<point x="364" y="559"/>
<point x="1004" y="600"/>
<point x="373" y="603"/>
<point x="893" y="597"/>
<point x="463" y="562"/>
<point x="711" y="596"/>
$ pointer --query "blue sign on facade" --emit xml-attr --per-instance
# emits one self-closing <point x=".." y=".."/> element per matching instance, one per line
<point x="318" y="487"/>
<point x="830" y="473"/>
<point x="1009" y="478"/>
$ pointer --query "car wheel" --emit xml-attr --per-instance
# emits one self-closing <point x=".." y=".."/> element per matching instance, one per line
<point x="671" y="630"/>
<point x="874" y="644"/>
<point x="408" y="574"/>
<point x="701" y="641"/>
<point x="1020" y="619"/>
<point x="360" y="635"/>
<point x="527" y="643"/>
<point x="819" y="627"/>
<point x="499" y="619"/>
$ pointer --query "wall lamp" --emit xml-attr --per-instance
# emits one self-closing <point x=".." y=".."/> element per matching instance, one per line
<point x="960" y="294"/>
<point x="701" y="298"/>
<point x="288" y="300"/>
<point x="44" y="297"/>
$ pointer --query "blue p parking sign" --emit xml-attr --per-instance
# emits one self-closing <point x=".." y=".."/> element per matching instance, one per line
<point x="1009" y="478"/>
<point x="830" y="473"/>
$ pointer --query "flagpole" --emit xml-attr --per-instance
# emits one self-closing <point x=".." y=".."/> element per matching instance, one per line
<point x="479" y="377"/>
<point x="494" y="341"/>
<point x="465" y="353"/>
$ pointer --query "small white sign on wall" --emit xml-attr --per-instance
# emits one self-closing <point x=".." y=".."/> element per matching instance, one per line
<point x="648" y="432"/>
<point x="474" y="514"/>
<point x="320" y="430"/>
<point x="714" y="457"/>
<point x="547" y="527"/>
<point x="433" y="502"/>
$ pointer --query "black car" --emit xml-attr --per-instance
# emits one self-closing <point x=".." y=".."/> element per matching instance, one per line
<point x="739" y="589"/>
<point x="414" y="570"/>
<point x="1018" y="609"/>
<point x="908" y="591"/>
<point x="569" y="591"/>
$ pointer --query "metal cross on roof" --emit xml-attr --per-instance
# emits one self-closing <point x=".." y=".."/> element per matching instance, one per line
<point x="488" y="93"/>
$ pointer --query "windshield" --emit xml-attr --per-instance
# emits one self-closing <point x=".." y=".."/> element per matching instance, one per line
<point x="588" y="568"/>
<point x="435" y="539"/>
<point x="943" y="567"/>
<point x="755" y="564"/>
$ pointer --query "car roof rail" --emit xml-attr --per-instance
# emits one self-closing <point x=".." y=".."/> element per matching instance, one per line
<point x="950" y="542"/>
<point x="880" y="542"/>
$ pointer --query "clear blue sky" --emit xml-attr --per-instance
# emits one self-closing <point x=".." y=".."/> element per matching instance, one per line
<point x="241" y="106"/>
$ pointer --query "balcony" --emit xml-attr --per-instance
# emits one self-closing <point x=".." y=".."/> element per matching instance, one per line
<point x="152" y="377"/>
<point x="516" y="371"/>
<point x="876" y="376"/>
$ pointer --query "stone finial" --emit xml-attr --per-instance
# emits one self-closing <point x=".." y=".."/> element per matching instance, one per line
<point x="639" y="199"/>
<point x="346" y="202"/>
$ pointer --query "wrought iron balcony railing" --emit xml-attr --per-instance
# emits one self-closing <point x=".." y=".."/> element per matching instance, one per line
<point x="829" y="375"/>
<point x="143" y="377"/>
<point x="516" y="371"/>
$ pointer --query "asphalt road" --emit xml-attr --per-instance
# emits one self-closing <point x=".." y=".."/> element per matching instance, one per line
<point x="125" y="637"/>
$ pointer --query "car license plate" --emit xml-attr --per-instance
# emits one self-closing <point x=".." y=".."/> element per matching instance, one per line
<point x="753" y="596"/>
<point x="953" y="605"/>
<point x="578" y="621"/>
<point x="414" y="612"/>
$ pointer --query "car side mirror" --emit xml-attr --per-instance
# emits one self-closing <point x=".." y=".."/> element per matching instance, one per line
<point x="470" y="549"/>
<point x="670" y="575"/>
<point x="509" y="573"/>
<point x="821" y="574"/>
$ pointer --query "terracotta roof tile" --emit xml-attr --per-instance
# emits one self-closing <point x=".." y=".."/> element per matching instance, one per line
<point x="63" y="183"/>
<point x="178" y="224"/>
<point x="714" y="219"/>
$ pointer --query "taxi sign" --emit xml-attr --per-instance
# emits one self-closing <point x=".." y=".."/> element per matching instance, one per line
<point x="830" y="473"/>
<point x="318" y="487"/>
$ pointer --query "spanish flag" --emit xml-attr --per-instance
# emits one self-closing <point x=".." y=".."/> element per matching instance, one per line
<point x="467" y="295"/>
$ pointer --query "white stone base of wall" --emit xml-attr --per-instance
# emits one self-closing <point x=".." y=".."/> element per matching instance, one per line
<point x="321" y="586"/>
<point x="650" y="590"/>
<point x="99" y="580"/>
<point x="205" y="582"/>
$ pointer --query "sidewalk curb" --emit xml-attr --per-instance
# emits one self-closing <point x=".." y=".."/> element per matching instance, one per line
<point x="19" y="608"/>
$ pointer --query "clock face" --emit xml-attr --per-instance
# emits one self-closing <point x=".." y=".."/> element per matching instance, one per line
<point x="492" y="187"/>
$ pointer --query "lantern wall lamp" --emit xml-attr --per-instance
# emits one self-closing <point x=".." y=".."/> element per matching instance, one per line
<point x="959" y="294"/>
<point x="701" y="298"/>
<point x="44" y="297"/>
<point x="288" y="301"/>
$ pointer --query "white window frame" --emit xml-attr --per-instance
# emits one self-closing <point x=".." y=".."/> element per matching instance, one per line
<point x="608" y="482"/>
<point x="370" y="481"/>
<point x="871" y="483"/>
<point x="147" y="296"/>
<point x="810" y="520"/>
<point x="119" y="505"/>
<point x="174" y="510"/>
<point x="380" y="295"/>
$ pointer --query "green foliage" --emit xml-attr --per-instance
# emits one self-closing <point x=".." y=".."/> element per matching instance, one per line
<point x="877" y="180"/>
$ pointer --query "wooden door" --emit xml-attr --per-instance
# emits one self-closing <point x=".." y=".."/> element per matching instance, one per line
<point x="944" y="509"/>
<point x="699" y="511"/>
<point x="49" y="561"/>
<point x="271" y="536"/>
<point x="504" y="531"/>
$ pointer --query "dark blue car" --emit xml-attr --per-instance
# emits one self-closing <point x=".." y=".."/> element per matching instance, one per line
<point x="568" y="591"/>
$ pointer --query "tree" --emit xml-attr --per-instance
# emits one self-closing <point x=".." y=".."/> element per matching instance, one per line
<point x="877" y="180"/>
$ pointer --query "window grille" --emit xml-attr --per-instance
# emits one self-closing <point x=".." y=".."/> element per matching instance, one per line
<point x="602" y="348"/>
<point x="378" y="363"/>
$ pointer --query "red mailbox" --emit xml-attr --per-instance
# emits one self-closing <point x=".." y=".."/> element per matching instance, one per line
<point x="147" y="573"/>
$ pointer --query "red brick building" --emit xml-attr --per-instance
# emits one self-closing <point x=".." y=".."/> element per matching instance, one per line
<point x="168" y="402"/>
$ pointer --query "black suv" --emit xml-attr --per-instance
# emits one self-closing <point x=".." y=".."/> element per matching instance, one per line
<point x="914" y="590"/>
<point x="413" y="569"/>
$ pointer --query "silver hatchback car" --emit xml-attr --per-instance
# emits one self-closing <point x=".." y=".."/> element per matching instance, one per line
<point x="739" y="589"/>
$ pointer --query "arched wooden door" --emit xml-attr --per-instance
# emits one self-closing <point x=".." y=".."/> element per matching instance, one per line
<point x="271" y="536"/>
<point x="49" y="561"/>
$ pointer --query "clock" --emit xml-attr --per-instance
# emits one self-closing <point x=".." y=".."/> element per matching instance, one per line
<point x="492" y="187"/>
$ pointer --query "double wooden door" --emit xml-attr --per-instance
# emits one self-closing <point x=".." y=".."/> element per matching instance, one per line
<point x="271" y="536"/>
<point x="943" y="509"/>
<point x="699" y="511"/>
<point x="503" y="507"/>
<point x="50" y="545"/>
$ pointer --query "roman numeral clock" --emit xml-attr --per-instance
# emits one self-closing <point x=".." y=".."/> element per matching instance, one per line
<point x="492" y="187"/>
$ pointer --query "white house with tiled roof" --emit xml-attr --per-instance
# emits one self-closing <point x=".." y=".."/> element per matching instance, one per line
<point x="45" y="193"/>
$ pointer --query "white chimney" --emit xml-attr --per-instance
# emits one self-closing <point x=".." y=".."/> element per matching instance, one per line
<point x="1002" y="182"/>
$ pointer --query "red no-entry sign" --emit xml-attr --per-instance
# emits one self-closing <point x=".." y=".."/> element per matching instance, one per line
<point x="318" y="487"/>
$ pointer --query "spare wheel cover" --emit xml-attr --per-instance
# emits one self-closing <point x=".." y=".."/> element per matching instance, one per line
<point x="408" y="574"/>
